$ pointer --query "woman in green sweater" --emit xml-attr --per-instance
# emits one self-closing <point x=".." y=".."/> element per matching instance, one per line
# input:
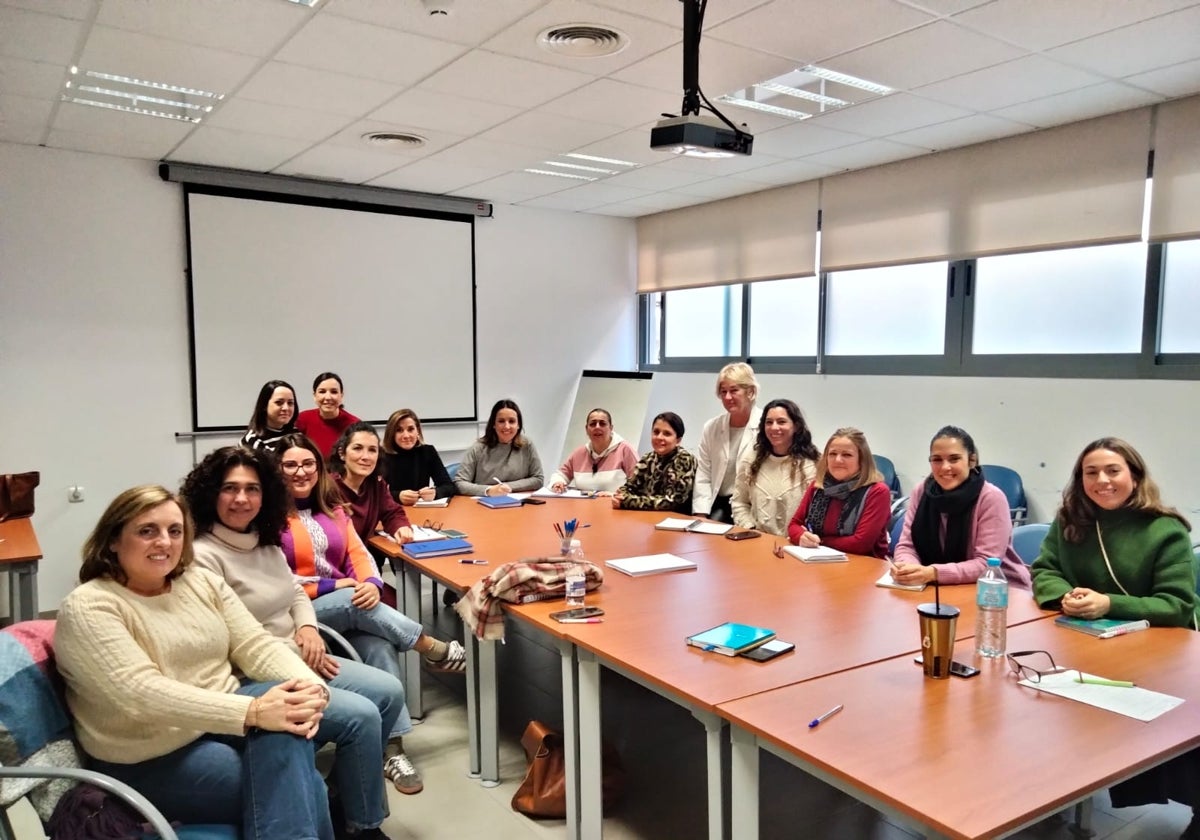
<point x="1116" y="551"/>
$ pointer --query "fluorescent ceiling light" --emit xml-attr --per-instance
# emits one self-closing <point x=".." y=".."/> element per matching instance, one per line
<point x="560" y="174"/>
<point x="613" y="161"/>
<point x="309" y="3"/>
<point x="764" y="107"/>
<point x="129" y="80"/>
<point x="129" y="109"/>
<point x="844" y="79"/>
<point x="578" y="166"/>
<point x="788" y="90"/>
<point x="137" y="97"/>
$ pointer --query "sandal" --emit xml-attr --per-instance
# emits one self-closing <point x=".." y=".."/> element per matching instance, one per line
<point x="454" y="663"/>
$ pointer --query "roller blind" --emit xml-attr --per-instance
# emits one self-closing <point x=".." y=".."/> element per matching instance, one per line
<point x="760" y="236"/>
<point x="1175" y="207"/>
<point x="1077" y="184"/>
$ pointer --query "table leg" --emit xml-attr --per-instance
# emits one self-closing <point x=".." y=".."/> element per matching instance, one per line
<point x="714" y="730"/>
<point x="591" y="805"/>
<point x="409" y="583"/>
<point x="471" y="645"/>
<point x="22" y="591"/>
<point x="570" y="711"/>
<point x="743" y="784"/>
<point x="1083" y="819"/>
<point x="489" y="715"/>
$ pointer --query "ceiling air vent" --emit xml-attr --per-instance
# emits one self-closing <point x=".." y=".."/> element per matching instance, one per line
<point x="582" y="40"/>
<point x="395" y="140"/>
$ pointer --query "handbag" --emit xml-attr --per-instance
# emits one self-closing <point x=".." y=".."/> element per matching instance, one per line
<point x="543" y="791"/>
<point x="16" y="494"/>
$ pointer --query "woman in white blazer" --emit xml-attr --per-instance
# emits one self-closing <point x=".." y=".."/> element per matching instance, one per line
<point x="724" y="441"/>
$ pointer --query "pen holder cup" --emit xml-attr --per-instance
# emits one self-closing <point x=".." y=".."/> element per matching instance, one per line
<point x="938" y="626"/>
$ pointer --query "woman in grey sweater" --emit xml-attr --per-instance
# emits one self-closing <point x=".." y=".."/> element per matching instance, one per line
<point x="503" y="460"/>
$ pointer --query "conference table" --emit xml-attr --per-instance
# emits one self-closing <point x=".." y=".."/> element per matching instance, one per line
<point x="837" y="618"/>
<point x="19" y="556"/>
<point x="981" y="757"/>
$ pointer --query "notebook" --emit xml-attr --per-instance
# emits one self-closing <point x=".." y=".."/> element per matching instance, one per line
<point x="1102" y="628"/>
<point x="569" y="493"/>
<point x="498" y="501"/>
<point x="650" y="564"/>
<point x="696" y="526"/>
<point x="887" y="583"/>
<point x="422" y="534"/>
<point x="436" y="548"/>
<point x="730" y="638"/>
<point x="817" y="554"/>
<point x="442" y="502"/>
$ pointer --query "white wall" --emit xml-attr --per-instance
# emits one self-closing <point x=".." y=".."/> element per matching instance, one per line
<point x="1035" y="426"/>
<point x="93" y="330"/>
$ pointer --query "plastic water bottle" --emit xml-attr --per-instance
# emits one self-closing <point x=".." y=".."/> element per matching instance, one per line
<point x="576" y="575"/>
<point x="991" y="617"/>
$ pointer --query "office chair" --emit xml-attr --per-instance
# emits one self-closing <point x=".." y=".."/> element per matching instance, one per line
<point x="894" y="534"/>
<point x="1027" y="540"/>
<point x="452" y="470"/>
<point x="1009" y="481"/>
<point x="888" y="470"/>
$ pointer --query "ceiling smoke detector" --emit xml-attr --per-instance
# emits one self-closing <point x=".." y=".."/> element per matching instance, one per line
<point x="582" y="40"/>
<point x="393" y="140"/>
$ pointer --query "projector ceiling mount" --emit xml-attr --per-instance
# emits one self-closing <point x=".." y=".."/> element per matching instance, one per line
<point x="690" y="133"/>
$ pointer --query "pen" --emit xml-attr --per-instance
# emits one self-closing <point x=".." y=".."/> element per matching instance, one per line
<point x="818" y="721"/>
<point x="581" y="621"/>
<point x="466" y="561"/>
<point x="1098" y="681"/>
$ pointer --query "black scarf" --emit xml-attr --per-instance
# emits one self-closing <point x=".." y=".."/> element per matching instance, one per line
<point x="852" y="507"/>
<point x="957" y="504"/>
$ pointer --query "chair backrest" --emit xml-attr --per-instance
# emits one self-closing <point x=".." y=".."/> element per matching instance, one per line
<point x="888" y="470"/>
<point x="894" y="534"/>
<point x="452" y="469"/>
<point x="1027" y="541"/>
<point x="1009" y="481"/>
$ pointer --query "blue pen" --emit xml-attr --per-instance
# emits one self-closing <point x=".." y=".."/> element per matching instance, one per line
<point x="818" y="721"/>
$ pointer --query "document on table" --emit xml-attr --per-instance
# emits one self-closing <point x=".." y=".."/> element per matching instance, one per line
<point x="421" y="534"/>
<point x="1137" y="703"/>
<point x="569" y="493"/>
<point x="442" y="502"/>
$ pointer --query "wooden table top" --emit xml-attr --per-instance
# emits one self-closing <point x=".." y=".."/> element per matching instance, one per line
<point x="18" y="542"/>
<point x="1028" y="753"/>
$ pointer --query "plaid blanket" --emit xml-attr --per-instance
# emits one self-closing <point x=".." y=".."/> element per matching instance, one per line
<point x="34" y="725"/>
<point x="521" y="582"/>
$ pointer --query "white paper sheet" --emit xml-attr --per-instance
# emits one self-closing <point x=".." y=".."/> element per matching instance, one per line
<point x="1138" y="703"/>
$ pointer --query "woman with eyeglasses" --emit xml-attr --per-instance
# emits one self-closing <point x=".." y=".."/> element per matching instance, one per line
<point x="601" y="465"/>
<point x="774" y="475"/>
<point x="848" y="505"/>
<point x="412" y="468"/>
<point x="239" y="504"/>
<point x="725" y="441"/>
<point x="503" y="461"/>
<point x="274" y="413"/>
<point x="324" y="423"/>
<point x="332" y="565"/>
<point x="151" y="650"/>
<point x="1115" y="550"/>
<point x="955" y="520"/>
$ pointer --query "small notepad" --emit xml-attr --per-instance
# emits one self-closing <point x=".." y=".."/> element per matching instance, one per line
<point x="650" y="564"/>
<point x="695" y="526"/>
<point x="817" y="554"/>
<point x="430" y="503"/>
<point x="887" y="582"/>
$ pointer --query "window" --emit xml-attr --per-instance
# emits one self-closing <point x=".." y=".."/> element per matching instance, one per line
<point x="1180" y="330"/>
<point x="897" y="310"/>
<point x="784" y="315"/>
<point x="703" y="322"/>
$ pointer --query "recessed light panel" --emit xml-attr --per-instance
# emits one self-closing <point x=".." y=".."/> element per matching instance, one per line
<point x="138" y="96"/>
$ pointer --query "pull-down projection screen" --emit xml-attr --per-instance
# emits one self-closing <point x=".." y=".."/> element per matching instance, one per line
<point x="283" y="290"/>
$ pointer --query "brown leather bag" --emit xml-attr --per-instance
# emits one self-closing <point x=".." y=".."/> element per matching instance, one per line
<point x="16" y="494"/>
<point x="543" y="792"/>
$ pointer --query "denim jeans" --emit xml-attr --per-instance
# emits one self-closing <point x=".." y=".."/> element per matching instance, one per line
<point x="265" y="782"/>
<point x="364" y="704"/>
<point x="378" y="635"/>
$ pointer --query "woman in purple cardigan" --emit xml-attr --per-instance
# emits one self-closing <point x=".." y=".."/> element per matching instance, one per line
<point x="955" y="520"/>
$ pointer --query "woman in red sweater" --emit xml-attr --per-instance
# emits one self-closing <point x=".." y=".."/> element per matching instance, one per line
<point x="324" y="423"/>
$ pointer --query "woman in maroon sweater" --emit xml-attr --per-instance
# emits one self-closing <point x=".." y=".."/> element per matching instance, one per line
<point x="847" y="506"/>
<point x="354" y="463"/>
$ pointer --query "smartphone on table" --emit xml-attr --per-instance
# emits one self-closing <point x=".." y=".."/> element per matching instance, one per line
<point x="577" y="613"/>
<point x="742" y="535"/>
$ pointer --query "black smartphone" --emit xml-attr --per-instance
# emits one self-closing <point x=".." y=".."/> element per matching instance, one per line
<point x="957" y="669"/>
<point x="577" y="614"/>
<point x="769" y="650"/>
<point x="742" y="535"/>
<point x="532" y="501"/>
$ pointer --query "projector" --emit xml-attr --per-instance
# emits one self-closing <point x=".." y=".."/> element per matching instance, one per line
<point x="697" y="136"/>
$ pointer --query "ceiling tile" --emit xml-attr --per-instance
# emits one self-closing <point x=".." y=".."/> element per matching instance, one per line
<point x="788" y="172"/>
<point x="215" y="146"/>
<point x="1177" y="80"/>
<point x="1081" y="104"/>
<point x="250" y="28"/>
<point x="145" y="57"/>
<point x="435" y="141"/>
<point x="645" y="36"/>
<point x="796" y="30"/>
<point x="890" y="114"/>
<point x="25" y="112"/>
<point x="145" y="148"/>
<point x="1007" y="84"/>
<point x="724" y="68"/>
<point x="1039" y="25"/>
<point x="455" y="114"/>
<point x="559" y="201"/>
<point x="868" y="153"/>
<point x="434" y="176"/>
<point x="38" y="37"/>
<point x="1160" y="42"/>
<point x="514" y="187"/>
<point x="359" y="49"/>
<point x="720" y="188"/>
<point x="671" y="12"/>
<point x="945" y="50"/>
<point x="961" y="132"/>
<point x="550" y="131"/>
<point x="504" y="79"/>
<point x="77" y="9"/>
<point x="655" y="178"/>
<point x="586" y="197"/>
<point x="469" y="24"/>
<point x="31" y="78"/>
<point x="803" y="139"/>
<point x="276" y="120"/>
<point x="476" y="151"/>
<point x="340" y="163"/>
<point x="318" y="90"/>
<point x="155" y="131"/>
<point x="613" y="102"/>
<point x="632" y="146"/>
<point x="943" y="7"/>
